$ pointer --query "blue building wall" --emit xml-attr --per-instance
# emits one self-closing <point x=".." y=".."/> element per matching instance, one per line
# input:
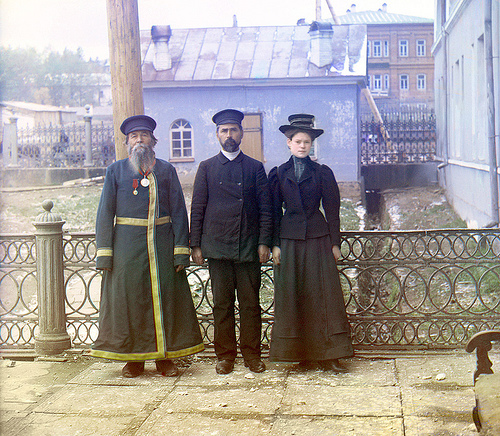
<point x="335" y="107"/>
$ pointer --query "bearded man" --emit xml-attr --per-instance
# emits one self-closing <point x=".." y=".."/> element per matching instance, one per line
<point x="146" y="310"/>
<point x="231" y="225"/>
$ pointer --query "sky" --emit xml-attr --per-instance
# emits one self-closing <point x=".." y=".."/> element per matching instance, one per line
<point x="59" y="24"/>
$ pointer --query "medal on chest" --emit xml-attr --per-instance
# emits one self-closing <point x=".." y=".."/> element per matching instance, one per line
<point x="145" y="180"/>
<point x="135" y="185"/>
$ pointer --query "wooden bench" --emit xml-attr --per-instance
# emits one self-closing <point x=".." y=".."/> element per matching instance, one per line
<point x="486" y="414"/>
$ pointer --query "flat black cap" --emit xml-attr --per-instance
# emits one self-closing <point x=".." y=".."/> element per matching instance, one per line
<point x="138" y="122"/>
<point x="303" y="122"/>
<point x="228" y="116"/>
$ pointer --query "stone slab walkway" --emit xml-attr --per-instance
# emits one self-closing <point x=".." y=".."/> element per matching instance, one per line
<point x="413" y="395"/>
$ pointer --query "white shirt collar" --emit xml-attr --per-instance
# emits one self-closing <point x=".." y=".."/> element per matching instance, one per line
<point x="231" y="155"/>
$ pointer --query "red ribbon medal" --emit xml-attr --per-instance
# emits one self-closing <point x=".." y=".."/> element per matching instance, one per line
<point x="135" y="185"/>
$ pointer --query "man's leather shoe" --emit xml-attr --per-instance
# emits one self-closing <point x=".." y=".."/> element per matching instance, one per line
<point x="167" y="368"/>
<point x="332" y="365"/>
<point x="255" y="365"/>
<point x="224" y="366"/>
<point x="133" y="369"/>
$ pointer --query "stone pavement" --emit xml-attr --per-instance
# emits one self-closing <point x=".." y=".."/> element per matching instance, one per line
<point x="403" y="395"/>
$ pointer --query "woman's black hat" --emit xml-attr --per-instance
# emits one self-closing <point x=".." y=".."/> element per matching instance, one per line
<point x="138" y="122"/>
<point x="301" y="122"/>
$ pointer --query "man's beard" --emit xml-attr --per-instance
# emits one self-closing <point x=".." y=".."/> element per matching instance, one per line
<point x="141" y="157"/>
<point x="230" y="145"/>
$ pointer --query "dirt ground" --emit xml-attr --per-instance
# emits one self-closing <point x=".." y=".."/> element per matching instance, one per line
<point x="76" y="202"/>
<point x="418" y="209"/>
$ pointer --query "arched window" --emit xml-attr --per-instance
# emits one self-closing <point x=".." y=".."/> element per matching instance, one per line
<point x="181" y="140"/>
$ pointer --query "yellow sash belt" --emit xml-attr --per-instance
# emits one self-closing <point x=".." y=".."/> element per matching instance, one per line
<point x="141" y="221"/>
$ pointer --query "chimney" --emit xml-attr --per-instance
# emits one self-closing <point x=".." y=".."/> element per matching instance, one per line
<point x="321" y="35"/>
<point x="235" y="21"/>
<point x="160" y="35"/>
<point x="353" y="8"/>
<point x="384" y="7"/>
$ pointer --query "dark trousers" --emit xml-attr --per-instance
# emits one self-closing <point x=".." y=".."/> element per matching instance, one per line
<point x="227" y="277"/>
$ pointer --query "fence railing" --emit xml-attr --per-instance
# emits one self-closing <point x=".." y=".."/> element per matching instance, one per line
<point x="414" y="289"/>
<point x="411" y="138"/>
<point x="65" y="146"/>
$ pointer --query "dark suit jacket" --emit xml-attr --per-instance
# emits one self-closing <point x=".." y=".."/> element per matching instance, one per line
<point x="301" y="202"/>
<point x="231" y="208"/>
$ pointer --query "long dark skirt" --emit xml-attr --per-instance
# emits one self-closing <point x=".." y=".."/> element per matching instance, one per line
<point x="310" y="321"/>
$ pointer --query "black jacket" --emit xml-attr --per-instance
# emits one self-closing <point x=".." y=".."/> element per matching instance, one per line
<point x="231" y="208"/>
<point x="296" y="206"/>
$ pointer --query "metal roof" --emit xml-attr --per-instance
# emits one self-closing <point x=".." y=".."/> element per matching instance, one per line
<point x="381" y="17"/>
<point x="242" y="53"/>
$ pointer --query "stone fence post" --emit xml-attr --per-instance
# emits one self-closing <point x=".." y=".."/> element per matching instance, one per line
<point x="52" y="337"/>
<point x="88" y="136"/>
<point x="11" y="151"/>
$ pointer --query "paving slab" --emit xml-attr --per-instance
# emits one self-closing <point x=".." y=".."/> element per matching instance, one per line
<point x="110" y="374"/>
<point x="161" y="423"/>
<point x="446" y="370"/>
<point x="450" y="402"/>
<point x="101" y="400"/>
<point x="342" y="400"/>
<point x="203" y="374"/>
<point x="25" y="384"/>
<point x="436" y="426"/>
<point x="49" y="424"/>
<point x="338" y="426"/>
<point x="361" y="372"/>
<point x="224" y="400"/>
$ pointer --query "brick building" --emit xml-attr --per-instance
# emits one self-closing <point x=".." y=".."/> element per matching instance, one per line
<point x="400" y="62"/>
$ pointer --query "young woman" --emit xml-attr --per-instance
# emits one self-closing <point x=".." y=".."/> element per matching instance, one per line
<point x="310" y="321"/>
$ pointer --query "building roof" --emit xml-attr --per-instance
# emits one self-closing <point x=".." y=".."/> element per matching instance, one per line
<point x="34" y="107"/>
<point x="381" y="17"/>
<point x="241" y="53"/>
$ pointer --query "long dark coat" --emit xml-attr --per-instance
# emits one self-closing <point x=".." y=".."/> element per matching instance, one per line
<point x="310" y="318"/>
<point x="146" y="309"/>
<point x="231" y="208"/>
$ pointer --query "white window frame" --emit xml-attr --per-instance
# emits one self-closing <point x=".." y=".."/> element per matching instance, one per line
<point x="183" y="142"/>
<point x="404" y="82"/>
<point x="421" y="47"/>
<point x="377" y="49"/>
<point x="377" y="82"/>
<point x="368" y="51"/>
<point x="421" y="82"/>
<point x="403" y="48"/>
<point x="386" y="81"/>
<point x="386" y="48"/>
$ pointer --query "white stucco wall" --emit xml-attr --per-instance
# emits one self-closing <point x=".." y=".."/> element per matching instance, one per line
<point x="461" y="107"/>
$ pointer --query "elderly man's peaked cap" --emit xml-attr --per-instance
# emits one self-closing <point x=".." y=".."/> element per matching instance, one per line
<point x="138" y="122"/>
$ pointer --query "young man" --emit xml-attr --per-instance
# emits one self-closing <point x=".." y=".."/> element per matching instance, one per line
<point x="231" y="225"/>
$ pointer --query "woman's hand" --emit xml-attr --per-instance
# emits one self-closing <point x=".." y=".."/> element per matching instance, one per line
<point x="336" y="252"/>
<point x="276" y="255"/>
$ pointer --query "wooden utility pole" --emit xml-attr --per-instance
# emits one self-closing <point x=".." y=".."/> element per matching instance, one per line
<point x="334" y="15"/>
<point x="125" y="62"/>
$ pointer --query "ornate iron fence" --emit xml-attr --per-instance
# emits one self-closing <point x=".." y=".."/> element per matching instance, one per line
<point x="64" y="146"/>
<point x="415" y="289"/>
<point x="411" y="138"/>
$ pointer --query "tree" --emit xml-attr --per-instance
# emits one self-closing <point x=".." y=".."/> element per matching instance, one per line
<point x="51" y="77"/>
